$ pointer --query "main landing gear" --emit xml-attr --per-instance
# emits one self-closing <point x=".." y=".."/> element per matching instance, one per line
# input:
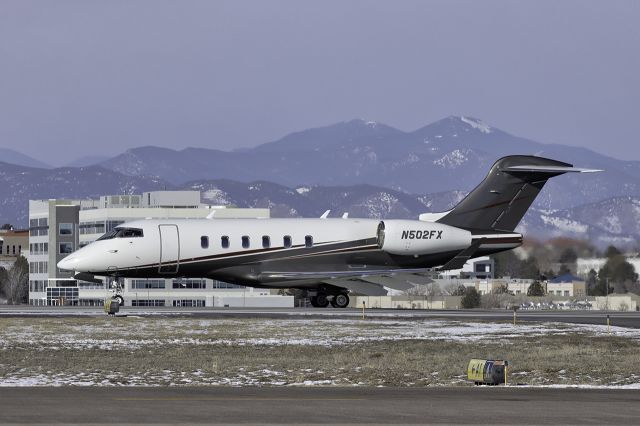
<point x="322" y="300"/>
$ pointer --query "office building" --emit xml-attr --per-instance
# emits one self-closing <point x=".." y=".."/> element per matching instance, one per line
<point x="59" y="227"/>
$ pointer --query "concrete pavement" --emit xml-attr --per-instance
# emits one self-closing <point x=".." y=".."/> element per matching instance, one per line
<point x="339" y="405"/>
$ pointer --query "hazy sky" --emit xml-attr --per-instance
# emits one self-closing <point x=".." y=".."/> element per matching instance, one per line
<point x="97" y="77"/>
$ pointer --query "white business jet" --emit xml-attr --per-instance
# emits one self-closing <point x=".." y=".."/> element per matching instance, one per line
<point x="330" y="258"/>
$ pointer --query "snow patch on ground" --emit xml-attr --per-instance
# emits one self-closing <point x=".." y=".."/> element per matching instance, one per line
<point x="454" y="159"/>
<point x="564" y="224"/>
<point x="611" y="223"/>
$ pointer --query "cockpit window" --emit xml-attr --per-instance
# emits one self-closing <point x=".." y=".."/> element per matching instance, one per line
<point x="109" y="235"/>
<point x="122" y="233"/>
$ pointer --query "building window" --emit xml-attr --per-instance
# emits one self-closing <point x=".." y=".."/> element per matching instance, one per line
<point x="66" y="248"/>
<point x="190" y="284"/>
<point x="222" y="284"/>
<point x="308" y="241"/>
<point x="266" y="241"/>
<point x="225" y="241"/>
<point x="287" y="241"/>
<point x="245" y="241"/>
<point x="198" y="303"/>
<point x="204" y="242"/>
<point x="146" y="284"/>
<point x="65" y="228"/>
<point x="145" y="302"/>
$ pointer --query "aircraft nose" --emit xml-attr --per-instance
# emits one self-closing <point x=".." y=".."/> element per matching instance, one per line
<point x="69" y="263"/>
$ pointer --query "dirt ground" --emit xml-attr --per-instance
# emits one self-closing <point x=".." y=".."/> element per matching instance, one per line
<point x="238" y="352"/>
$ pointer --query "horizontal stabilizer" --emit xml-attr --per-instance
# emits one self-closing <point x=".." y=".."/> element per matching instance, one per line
<point x="550" y="169"/>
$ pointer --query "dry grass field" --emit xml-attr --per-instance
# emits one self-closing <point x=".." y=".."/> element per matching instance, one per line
<point x="134" y="351"/>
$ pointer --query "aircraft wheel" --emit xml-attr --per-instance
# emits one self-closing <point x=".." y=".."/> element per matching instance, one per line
<point x="340" y="301"/>
<point x="321" y="300"/>
<point x="120" y="299"/>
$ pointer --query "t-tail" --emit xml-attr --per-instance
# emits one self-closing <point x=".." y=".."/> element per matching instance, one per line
<point x="498" y="204"/>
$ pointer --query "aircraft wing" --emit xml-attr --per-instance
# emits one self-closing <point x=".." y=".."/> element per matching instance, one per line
<point x="374" y="285"/>
<point x="328" y="275"/>
<point x="359" y="286"/>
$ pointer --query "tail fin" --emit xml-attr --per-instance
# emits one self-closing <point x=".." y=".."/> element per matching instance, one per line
<point x="505" y="195"/>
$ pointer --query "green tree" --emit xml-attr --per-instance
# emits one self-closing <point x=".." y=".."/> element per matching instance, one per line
<point x="592" y="281"/>
<point x="564" y="269"/>
<point x="612" y="251"/>
<point x="535" y="289"/>
<point x="508" y="264"/>
<point x="548" y="275"/>
<point x="618" y="272"/>
<point x="471" y="298"/>
<point x="568" y="256"/>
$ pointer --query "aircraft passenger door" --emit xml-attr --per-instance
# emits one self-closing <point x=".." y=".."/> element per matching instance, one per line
<point x="169" y="249"/>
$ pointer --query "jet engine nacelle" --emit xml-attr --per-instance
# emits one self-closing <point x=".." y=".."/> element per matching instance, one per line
<point x="412" y="237"/>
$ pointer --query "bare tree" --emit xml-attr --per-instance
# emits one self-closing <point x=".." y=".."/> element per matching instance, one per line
<point x="16" y="283"/>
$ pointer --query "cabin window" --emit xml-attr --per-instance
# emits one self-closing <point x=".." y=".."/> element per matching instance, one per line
<point x="266" y="241"/>
<point x="287" y="241"/>
<point x="225" y="241"/>
<point x="308" y="241"/>
<point x="245" y="241"/>
<point x="204" y="242"/>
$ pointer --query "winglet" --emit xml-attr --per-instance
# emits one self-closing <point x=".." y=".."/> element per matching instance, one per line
<point x="325" y="214"/>
<point x="212" y="214"/>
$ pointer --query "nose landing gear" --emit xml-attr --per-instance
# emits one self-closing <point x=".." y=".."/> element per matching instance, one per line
<point x="116" y="290"/>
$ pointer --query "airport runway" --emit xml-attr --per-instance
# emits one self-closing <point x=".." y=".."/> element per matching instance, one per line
<point x="621" y="319"/>
<point x="461" y="405"/>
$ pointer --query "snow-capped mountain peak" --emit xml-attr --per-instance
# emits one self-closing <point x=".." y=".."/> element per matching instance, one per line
<point x="476" y="124"/>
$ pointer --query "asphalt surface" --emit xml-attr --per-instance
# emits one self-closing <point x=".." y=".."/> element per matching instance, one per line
<point x="462" y="405"/>
<point x="620" y="319"/>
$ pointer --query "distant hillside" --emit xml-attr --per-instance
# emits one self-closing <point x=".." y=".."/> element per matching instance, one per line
<point x="451" y="154"/>
<point x="20" y="184"/>
<point x="14" y="157"/>
<point x="611" y="221"/>
<point x="364" y="168"/>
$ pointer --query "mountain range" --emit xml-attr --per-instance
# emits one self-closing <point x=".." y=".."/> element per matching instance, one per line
<point x="365" y="168"/>
<point x="454" y="153"/>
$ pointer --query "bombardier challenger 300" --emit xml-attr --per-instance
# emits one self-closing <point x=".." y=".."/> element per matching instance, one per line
<point x="328" y="257"/>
